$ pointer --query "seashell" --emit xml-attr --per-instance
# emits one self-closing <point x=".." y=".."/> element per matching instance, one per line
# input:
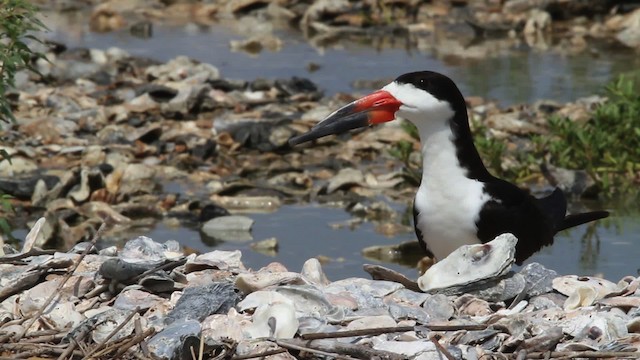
<point x="401" y="312"/>
<point x="262" y="297"/>
<point x="250" y="282"/>
<point x="633" y="326"/>
<point x="369" y="322"/>
<point x="568" y="284"/>
<point x="582" y="296"/>
<point x="473" y="307"/>
<point x="312" y="271"/>
<point x="602" y="327"/>
<point x="345" y="177"/>
<point x="222" y="326"/>
<point x="411" y="349"/>
<point x="159" y="282"/>
<point x="131" y="299"/>
<point x="471" y="264"/>
<point x="32" y="236"/>
<point x="367" y="293"/>
<point x="625" y="302"/>
<point x="144" y="250"/>
<point x="274" y="320"/>
<point x="217" y="259"/>
<point x="310" y="301"/>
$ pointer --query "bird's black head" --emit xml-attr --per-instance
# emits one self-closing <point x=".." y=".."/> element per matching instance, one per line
<point x="438" y="85"/>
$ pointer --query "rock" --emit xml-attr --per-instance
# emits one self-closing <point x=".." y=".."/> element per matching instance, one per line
<point x="181" y="68"/>
<point x="538" y="278"/>
<point x="630" y="33"/>
<point x="229" y="228"/>
<point x="196" y="303"/>
<point x="176" y="340"/>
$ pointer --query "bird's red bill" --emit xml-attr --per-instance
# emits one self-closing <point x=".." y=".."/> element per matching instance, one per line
<point x="375" y="108"/>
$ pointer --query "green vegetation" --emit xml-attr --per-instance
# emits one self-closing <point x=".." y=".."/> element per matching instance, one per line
<point x="607" y="146"/>
<point x="17" y="20"/>
<point x="402" y="151"/>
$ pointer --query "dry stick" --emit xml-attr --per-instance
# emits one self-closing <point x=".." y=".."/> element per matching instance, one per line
<point x="441" y="348"/>
<point x="586" y="354"/>
<point x="134" y="341"/>
<point x="258" y="355"/>
<point x="74" y="342"/>
<point x="42" y="348"/>
<point x="201" y="349"/>
<point x="352" y="350"/>
<point x="173" y="264"/>
<point x="67" y="276"/>
<point x="143" y="343"/>
<point x="288" y="345"/>
<point x="112" y="334"/>
<point x="392" y="329"/>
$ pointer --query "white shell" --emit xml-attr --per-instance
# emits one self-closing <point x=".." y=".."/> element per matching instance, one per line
<point x="582" y="296"/>
<point x="274" y="320"/>
<point x="471" y="263"/>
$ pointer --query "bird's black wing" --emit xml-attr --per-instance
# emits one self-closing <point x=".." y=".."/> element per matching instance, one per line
<point x="554" y="207"/>
<point x="515" y="211"/>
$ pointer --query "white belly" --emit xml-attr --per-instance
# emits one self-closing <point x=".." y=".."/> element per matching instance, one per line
<point x="447" y="213"/>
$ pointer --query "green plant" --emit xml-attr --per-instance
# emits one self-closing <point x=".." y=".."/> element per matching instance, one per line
<point x="402" y="151"/>
<point x="17" y="20"/>
<point x="607" y="146"/>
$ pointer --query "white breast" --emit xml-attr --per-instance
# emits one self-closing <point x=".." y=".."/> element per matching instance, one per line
<point x="447" y="202"/>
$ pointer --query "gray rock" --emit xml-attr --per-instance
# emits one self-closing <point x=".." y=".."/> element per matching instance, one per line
<point x="439" y="307"/>
<point x="176" y="341"/>
<point x="538" y="279"/>
<point x="198" y="302"/>
<point x="229" y="228"/>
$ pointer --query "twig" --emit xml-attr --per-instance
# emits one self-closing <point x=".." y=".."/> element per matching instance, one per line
<point x="143" y="343"/>
<point x="112" y="334"/>
<point x="201" y="348"/>
<point x="585" y="354"/>
<point x="32" y="252"/>
<point x="134" y="341"/>
<point x="67" y="276"/>
<point x="74" y="342"/>
<point x="393" y="329"/>
<point x="258" y="355"/>
<point x="441" y="349"/>
<point x="96" y="291"/>
<point x="352" y="350"/>
<point x="289" y="345"/>
<point x="172" y="264"/>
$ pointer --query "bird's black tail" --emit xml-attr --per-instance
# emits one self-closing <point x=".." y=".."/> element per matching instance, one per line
<point x="579" y="219"/>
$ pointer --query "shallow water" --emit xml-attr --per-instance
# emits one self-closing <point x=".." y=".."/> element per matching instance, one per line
<point x="523" y="75"/>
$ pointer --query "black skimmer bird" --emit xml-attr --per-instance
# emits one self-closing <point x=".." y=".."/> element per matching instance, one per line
<point x="458" y="202"/>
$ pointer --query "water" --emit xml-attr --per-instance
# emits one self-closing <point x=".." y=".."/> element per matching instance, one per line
<point x="611" y="248"/>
